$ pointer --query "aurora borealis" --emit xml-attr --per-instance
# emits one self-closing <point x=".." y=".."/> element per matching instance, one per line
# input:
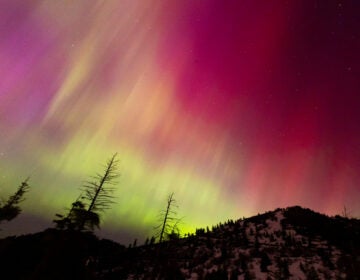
<point x="237" y="106"/>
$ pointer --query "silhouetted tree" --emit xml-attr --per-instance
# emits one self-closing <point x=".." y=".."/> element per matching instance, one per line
<point x="146" y="241"/>
<point x="169" y="221"/>
<point x="81" y="218"/>
<point x="10" y="209"/>
<point x="345" y="212"/>
<point x="73" y="219"/>
<point x="96" y="197"/>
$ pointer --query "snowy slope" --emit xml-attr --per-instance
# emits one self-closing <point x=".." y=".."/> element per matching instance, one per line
<point x="292" y="243"/>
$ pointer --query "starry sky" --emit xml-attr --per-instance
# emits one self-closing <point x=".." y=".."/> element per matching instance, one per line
<point x="238" y="107"/>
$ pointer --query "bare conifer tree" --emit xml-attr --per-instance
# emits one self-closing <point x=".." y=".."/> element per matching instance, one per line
<point x="345" y="213"/>
<point x="169" y="221"/>
<point x="97" y="196"/>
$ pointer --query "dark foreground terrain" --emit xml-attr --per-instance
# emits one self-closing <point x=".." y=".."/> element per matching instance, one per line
<point x="291" y="243"/>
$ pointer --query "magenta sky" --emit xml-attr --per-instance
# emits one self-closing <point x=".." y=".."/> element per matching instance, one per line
<point x="236" y="106"/>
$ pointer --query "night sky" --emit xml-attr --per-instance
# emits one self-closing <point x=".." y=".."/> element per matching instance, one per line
<point x="237" y="106"/>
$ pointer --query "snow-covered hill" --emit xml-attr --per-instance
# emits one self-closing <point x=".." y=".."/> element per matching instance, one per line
<point x="292" y="243"/>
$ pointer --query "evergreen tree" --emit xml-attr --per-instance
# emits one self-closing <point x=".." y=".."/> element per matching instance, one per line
<point x="147" y="241"/>
<point x="74" y="218"/>
<point x="11" y="209"/>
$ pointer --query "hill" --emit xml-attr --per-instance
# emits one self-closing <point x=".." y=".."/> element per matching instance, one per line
<point x="291" y="243"/>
